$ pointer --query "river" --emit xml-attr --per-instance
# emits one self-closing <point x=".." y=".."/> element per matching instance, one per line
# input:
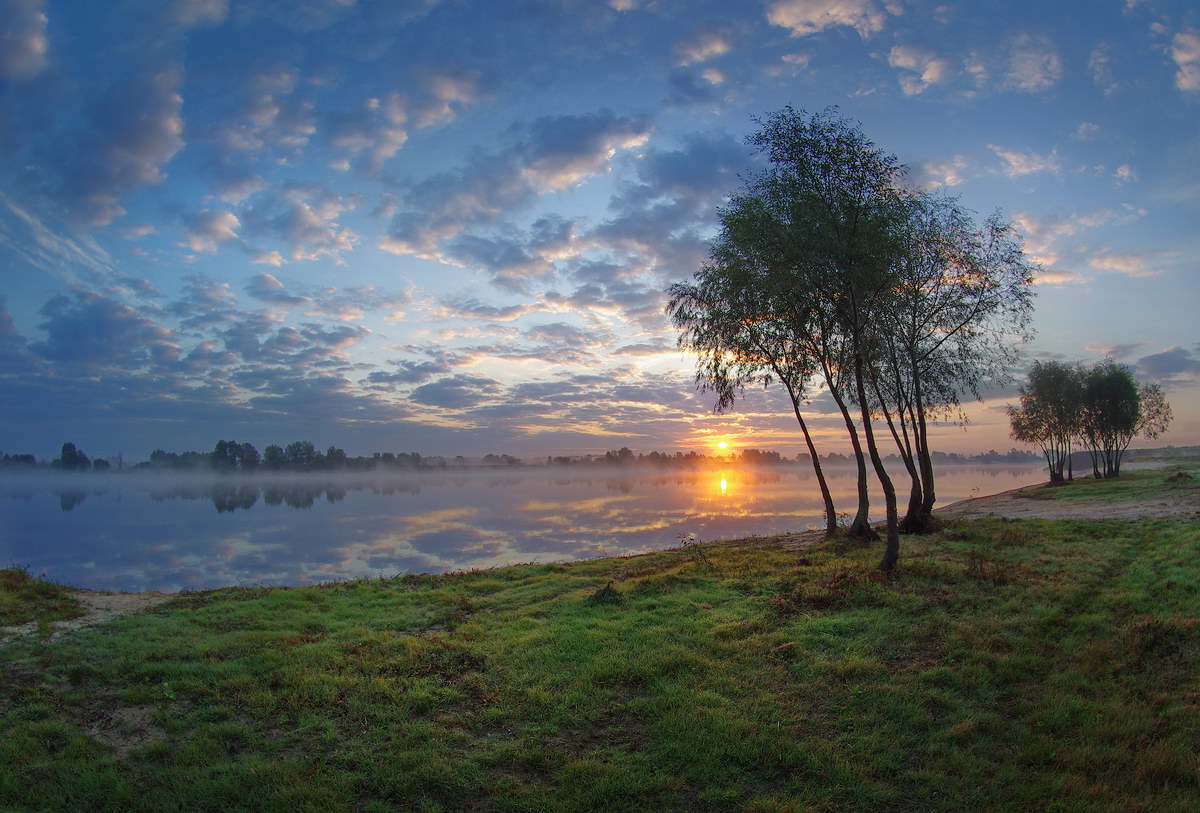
<point x="162" y="531"/>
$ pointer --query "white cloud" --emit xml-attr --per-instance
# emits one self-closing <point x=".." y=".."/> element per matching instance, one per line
<point x="947" y="172"/>
<point x="191" y="12"/>
<point x="1125" y="174"/>
<point x="929" y="69"/>
<point x="704" y="45"/>
<point x="207" y="230"/>
<point x="804" y="17"/>
<point x="1131" y="263"/>
<point x="1017" y="163"/>
<point x="1086" y="131"/>
<point x="23" y="40"/>
<point x="1033" y="64"/>
<point x="1185" y="50"/>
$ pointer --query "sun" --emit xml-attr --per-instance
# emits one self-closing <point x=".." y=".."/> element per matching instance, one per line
<point x="723" y="445"/>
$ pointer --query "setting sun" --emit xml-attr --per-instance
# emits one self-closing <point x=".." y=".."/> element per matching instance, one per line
<point x="722" y="445"/>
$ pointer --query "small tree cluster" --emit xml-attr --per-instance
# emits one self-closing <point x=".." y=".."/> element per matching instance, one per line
<point x="1101" y="407"/>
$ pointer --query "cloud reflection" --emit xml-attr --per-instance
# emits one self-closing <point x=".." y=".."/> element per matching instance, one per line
<point x="190" y="533"/>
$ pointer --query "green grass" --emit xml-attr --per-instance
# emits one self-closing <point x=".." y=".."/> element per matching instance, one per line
<point x="1181" y="480"/>
<point x="1008" y="665"/>
<point x="24" y="598"/>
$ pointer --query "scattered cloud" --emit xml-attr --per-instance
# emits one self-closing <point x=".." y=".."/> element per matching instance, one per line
<point x="1125" y="174"/>
<point x="705" y="44"/>
<point x="1185" y="50"/>
<point x="207" y="230"/>
<point x="1116" y="351"/>
<point x="1018" y="163"/>
<point x="23" y="42"/>
<point x="1131" y="263"/>
<point x="1033" y="64"/>
<point x="924" y="68"/>
<point x="1174" y="364"/>
<point x="946" y="172"/>
<point x="806" y="17"/>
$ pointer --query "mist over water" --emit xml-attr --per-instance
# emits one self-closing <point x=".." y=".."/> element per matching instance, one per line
<point x="172" y="531"/>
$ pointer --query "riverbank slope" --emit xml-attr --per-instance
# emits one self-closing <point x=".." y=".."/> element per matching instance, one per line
<point x="1027" y="663"/>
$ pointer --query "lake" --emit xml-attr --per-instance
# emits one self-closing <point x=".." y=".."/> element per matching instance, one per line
<point x="167" y="531"/>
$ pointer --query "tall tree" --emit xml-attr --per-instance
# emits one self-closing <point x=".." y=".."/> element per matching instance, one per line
<point x="839" y="200"/>
<point x="961" y="306"/>
<point x="1049" y="413"/>
<point x="739" y="338"/>
<point x="1114" y="410"/>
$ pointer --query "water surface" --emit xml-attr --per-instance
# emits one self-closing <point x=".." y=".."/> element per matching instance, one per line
<point x="171" y="532"/>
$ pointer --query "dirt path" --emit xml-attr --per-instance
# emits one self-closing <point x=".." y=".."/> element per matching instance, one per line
<point x="1020" y="504"/>
<point x="100" y="607"/>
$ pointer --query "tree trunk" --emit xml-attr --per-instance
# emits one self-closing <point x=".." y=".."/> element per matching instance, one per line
<point x="891" y="552"/>
<point x="925" y="459"/>
<point x="830" y="512"/>
<point x="861" y="527"/>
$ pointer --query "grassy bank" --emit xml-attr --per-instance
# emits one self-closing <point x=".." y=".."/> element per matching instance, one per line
<point x="1025" y="664"/>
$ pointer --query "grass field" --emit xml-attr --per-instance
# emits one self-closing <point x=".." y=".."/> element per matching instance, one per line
<point x="1007" y="665"/>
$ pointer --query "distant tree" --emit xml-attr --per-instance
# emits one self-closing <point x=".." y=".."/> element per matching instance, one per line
<point x="335" y="458"/>
<point x="300" y="454"/>
<point x="1114" y="410"/>
<point x="100" y="464"/>
<point x="72" y="459"/>
<point x="1049" y="414"/>
<point x="274" y="457"/>
<point x="248" y="458"/>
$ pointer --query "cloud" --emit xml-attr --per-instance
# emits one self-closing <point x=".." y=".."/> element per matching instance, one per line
<point x="1172" y="364"/>
<point x="1017" y="163"/>
<point x="192" y="12"/>
<point x="207" y="230"/>
<point x="93" y="331"/>
<point x="1086" y="131"/>
<point x="1100" y="65"/>
<point x="550" y="153"/>
<point x="456" y="392"/>
<point x="267" y="288"/>
<point x="926" y="68"/>
<point x="23" y="41"/>
<point x="1033" y="64"/>
<point x="1125" y="174"/>
<point x="1131" y="263"/>
<point x="946" y="172"/>
<point x="805" y="17"/>
<point x="451" y="90"/>
<point x="1185" y="50"/>
<point x="710" y="41"/>
<point x="133" y="129"/>
<point x="305" y="217"/>
<point x="375" y="131"/>
<point x="1116" y="351"/>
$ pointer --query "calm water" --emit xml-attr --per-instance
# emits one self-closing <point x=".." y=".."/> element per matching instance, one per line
<point x="173" y="532"/>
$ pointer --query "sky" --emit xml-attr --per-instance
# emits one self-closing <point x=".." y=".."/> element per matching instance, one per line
<point x="447" y="227"/>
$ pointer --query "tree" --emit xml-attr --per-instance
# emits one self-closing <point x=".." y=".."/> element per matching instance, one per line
<point x="838" y="200"/>
<point x="1050" y="412"/>
<point x="738" y="337"/>
<point x="962" y="303"/>
<point x="301" y="454"/>
<point x="72" y="459"/>
<point x="1114" y="410"/>
<point x="274" y="457"/>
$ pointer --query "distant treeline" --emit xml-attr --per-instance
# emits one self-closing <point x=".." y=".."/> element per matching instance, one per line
<point x="302" y="456"/>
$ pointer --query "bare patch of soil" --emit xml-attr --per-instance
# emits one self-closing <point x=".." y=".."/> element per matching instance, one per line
<point x="1018" y="504"/>
<point x="101" y="607"/>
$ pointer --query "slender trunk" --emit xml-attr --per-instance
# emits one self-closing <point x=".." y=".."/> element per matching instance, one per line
<point x="912" y="515"/>
<point x="861" y="527"/>
<point x="891" y="553"/>
<point x="924" y="458"/>
<point x="830" y="512"/>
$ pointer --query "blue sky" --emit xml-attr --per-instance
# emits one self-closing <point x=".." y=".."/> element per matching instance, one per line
<point x="447" y="226"/>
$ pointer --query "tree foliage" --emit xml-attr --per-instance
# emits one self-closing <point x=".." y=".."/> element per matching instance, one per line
<point x="829" y="273"/>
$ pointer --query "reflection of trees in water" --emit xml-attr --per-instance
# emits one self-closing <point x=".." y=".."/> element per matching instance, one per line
<point x="69" y="499"/>
<point x="227" y="499"/>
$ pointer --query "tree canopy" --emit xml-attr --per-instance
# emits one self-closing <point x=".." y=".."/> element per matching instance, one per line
<point x="829" y="273"/>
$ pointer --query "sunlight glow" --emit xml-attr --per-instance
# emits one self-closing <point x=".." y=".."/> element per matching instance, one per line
<point x="723" y="445"/>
